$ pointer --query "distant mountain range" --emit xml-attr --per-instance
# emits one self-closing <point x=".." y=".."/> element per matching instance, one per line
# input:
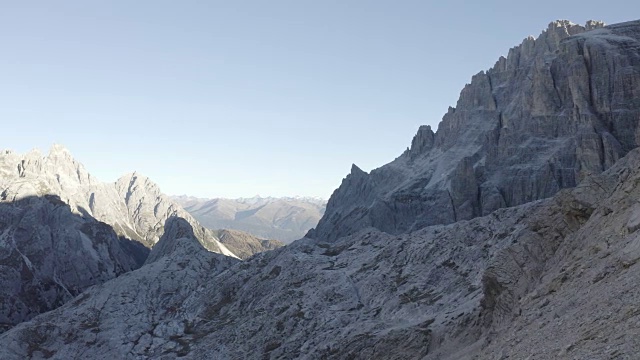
<point x="285" y="219"/>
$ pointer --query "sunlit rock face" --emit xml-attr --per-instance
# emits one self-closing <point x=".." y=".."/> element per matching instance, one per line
<point x="134" y="206"/>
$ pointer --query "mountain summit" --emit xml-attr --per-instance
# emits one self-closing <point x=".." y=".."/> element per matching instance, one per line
<point x="557" y="108"/>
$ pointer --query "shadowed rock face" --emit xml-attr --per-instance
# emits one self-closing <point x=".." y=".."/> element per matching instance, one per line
<point x="48" y="255"/>
<point x="556" y="109"/>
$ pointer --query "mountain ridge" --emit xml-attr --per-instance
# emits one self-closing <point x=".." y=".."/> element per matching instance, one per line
<point x="557" y="108"/>
<point x="284" y="219"/>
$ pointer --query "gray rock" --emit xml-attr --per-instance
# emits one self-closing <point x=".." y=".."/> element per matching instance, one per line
<point x="48" y="255"/>
<point x="56" y="230"/>
<point x="477" y="289"/>
<point x="134" y="206"/>
<point x="556" y="109"/>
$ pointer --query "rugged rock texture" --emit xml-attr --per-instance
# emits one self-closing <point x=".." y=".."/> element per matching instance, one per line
<point x="134" y="206"/>
<point x="556" y="109"/>
<point x="48" y="255"/>
<point x="51" y="245"/>
<point x="285" y="219"/>
<point x="137" y="310"/>
<point x="553" y="279"/>
<point x="245" y="245"/>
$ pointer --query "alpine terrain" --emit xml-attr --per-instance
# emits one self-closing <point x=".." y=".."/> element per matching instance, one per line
<point x="285" y="219"/>
<point x="512" y="232"/>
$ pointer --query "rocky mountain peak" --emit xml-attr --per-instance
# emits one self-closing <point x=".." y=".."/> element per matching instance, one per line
<point x="357" y="172"/>
<point x="177" y="233"/>
<point x="555" y="109"/>
<point x="422" y="142"/>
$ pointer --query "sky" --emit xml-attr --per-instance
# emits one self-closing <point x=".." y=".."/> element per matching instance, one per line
<point x="243" y="98"/>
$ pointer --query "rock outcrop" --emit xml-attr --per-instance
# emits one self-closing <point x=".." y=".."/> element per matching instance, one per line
<point x="57" y="233"/>
<point x="556" y="109"/>
<point x="138" y="308"/>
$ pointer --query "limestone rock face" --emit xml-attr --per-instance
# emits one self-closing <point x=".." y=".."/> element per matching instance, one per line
<point x="48" y="255"/>
<point x="57" y="230"/>
<point x="134" y="206"/>
<point x="555" y="278"/>
<point x="556" y="109"/>
<point x="136" y="315"/>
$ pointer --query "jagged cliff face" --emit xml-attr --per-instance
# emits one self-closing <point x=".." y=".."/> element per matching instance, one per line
<point x="134" y="206"/>
<point x="57" y="233"/>
<point x="555" y="278"/>
<point x="48" y="255"/>
<point x="556" y="109"/>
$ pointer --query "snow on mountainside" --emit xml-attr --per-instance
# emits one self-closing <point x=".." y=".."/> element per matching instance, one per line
<point x="285" y="219"/>
<point x="556" y="109"/>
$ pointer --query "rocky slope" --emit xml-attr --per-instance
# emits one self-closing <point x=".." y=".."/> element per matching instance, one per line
<point x="556" y="109"/>
<point x="134" y="206"/>
<point x="56" y="235"/>
<point x="245" y="245"/>
<point x="552" y="279"/>
<point x="48" y="255"/>
<point x="285" y="219"/>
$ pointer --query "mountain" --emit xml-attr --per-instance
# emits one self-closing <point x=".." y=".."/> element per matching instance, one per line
<point x="62" y="231"/>
<point x="245" y="245"/>
<point x="285" y="219"/>
<point x="556" y="109"/>
<point x="405" y="263"/>
<point x="48" y="255"/>
<point x="551" y="279"/>
<point x="134" y="206"/>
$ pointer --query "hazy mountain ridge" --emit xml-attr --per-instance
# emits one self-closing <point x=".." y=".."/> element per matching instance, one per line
<point x="285" y="219"/>
<point x="245" y="245"/>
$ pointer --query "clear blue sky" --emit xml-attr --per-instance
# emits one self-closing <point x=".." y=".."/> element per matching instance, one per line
<point x="238" y="98"/>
